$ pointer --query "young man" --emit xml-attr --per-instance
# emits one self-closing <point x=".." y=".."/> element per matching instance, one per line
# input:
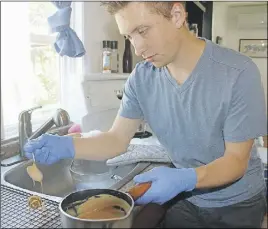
<point x="205" y="103"/>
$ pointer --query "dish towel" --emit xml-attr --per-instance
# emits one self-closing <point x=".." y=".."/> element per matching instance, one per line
<point x="141" y="153"/>
<point x="67" y="42"/>
<point x="139" y="150"/>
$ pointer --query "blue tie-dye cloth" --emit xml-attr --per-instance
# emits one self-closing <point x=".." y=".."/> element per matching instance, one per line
<point x="67" y="42"/>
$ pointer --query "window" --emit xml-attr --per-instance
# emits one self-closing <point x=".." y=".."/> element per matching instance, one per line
<point x="44" y="59"/>
<point x="31" y="72"/>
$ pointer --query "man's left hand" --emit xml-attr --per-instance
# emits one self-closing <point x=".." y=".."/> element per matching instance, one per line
<point x="166" y="183"/>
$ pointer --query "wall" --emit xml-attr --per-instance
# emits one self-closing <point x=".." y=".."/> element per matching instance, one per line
<point x="219" y="21"/>
<point x="99" y="25"/>
<point x="101" y="101"/>
<point x="225" y="24"/>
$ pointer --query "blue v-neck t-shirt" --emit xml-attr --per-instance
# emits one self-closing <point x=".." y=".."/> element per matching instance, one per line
<point x="221" y="101"/>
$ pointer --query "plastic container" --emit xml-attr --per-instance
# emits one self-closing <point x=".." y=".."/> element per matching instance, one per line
<point x="87" y="174"/>
<point x="91" y="174"/>
<point x="115" y="57"/>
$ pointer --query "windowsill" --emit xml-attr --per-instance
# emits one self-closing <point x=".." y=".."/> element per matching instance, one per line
<point x="10" y="147"/>
<point x="38" y="118"/>
<point x="13" y="131"/>
<point x="62" y="130"/>
<point x="105" y="76"/>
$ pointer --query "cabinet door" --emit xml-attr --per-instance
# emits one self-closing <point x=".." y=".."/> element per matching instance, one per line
<point x="100" y="95"/>
<point x="207" y="21"/>
<point x="102" y="104"/>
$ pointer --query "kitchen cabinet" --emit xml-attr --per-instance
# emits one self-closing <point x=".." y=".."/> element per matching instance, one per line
<point x="200" y="13"/>
<point x="100" y="94"/>
<point x="101" y="101"/>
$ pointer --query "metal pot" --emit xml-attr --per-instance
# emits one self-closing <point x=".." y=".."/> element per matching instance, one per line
<point x="69" y="221"/>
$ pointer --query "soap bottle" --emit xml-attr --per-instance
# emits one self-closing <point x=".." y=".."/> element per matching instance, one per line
<point x="106" y="57"/>
<point x="127" y="58"/>
<point x="115" y="57"/>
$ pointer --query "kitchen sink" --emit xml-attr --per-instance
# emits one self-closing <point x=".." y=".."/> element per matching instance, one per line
<point x="59" y="180"/>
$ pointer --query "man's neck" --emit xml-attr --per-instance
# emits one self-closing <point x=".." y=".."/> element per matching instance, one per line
<point x="189" y="53"/>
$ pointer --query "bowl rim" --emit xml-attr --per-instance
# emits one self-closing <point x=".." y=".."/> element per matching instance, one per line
<point x="97" y="220"/>
<point x="109" y="172"/>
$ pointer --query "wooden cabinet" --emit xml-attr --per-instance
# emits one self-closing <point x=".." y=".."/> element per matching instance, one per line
<point x="200" y="13"/>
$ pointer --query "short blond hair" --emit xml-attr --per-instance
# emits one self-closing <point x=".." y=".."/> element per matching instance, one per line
<point x="162" y="8"/>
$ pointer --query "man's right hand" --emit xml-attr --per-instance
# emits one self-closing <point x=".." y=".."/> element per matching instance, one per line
<point x="49" y="149"/>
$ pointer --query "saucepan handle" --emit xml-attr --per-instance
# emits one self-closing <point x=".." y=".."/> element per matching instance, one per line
<point x="138" y="190"/>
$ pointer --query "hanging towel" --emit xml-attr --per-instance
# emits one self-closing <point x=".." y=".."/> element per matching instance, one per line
<point x="67" y="42"/>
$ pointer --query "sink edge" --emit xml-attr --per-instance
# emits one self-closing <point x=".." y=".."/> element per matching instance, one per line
<point x="119" y="184"/>
<point x="137" y="169"/>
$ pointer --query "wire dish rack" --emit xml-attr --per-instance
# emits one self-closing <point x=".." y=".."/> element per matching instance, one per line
<point x="15" y="212"/>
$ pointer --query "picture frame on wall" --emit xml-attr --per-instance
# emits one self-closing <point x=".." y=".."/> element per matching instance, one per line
<point x="255" y="48"/>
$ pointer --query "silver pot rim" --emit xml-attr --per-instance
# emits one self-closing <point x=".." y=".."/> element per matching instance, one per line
<point x="97" y="220"/>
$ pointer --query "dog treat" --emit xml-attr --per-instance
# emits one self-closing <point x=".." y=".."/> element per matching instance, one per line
<point x="34" y="202"/>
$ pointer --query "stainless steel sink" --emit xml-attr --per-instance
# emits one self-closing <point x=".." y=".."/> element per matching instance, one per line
<point x="58" y="180"/>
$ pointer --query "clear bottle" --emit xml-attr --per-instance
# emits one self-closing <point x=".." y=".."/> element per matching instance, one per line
<point x="115" y="57"/>
<point x="106" y="57"/>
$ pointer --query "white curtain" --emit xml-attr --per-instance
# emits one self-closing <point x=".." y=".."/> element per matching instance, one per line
<point x="72" y="69"/>
<point x="17" y="79"/>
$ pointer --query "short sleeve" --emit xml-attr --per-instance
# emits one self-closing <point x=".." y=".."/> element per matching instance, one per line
<point x="130" y="107"/>
<point x="246" y="118"/>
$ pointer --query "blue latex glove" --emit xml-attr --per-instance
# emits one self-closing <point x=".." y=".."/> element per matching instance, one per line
<point x="166" y="183"/>
<point x="49" y="149"/>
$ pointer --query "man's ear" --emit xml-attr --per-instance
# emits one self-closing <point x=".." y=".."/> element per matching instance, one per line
<point x="178" y="14"/>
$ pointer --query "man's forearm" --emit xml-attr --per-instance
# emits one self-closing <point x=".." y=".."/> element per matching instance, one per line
<point x="220" y="172"/>
<point x="101" y="147"/>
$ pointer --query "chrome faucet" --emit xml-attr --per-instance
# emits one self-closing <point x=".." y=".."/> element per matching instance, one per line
<point x="61" y="118"/>
<point x="25" y="126"/>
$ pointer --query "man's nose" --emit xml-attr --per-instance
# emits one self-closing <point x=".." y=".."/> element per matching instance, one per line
<point x="138" y="52"/>
<point x="139" y="47"/>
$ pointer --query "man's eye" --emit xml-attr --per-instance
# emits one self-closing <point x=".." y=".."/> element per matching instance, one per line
<point x="143" y="32"/>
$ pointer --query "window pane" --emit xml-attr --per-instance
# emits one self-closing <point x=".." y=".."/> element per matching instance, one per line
<point x="30" y="69"/>
<point x="38" y="14"/>
<point x="45" y="62"/>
